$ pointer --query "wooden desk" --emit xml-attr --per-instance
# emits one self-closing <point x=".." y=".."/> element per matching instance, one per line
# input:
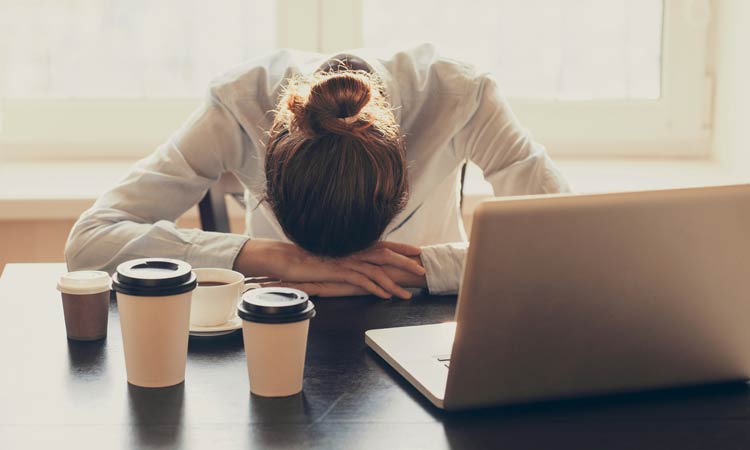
<point x="56" y="394"/>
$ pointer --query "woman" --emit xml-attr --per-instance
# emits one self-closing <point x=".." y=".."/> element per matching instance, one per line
<point x="353" y="163"/>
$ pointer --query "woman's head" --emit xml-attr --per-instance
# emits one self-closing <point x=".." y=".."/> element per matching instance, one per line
<point x="335" y="164"/>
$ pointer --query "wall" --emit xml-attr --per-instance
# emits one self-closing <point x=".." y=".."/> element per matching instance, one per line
<point x="33" y="240"/>
<point x="732" y="95"/>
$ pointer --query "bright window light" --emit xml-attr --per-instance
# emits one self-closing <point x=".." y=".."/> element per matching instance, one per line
<point x="603" y="78"/>
<point x="542" y="49"/>
<point x="127" y="48"/>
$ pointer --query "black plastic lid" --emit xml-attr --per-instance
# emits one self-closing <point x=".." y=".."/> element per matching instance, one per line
<point x="275" y="305"/>
<point x="154" y="277"/>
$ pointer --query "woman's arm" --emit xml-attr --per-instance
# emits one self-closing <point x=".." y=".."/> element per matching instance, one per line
<point x="511" y="161"/>
<point x="383" y="270"/>
<point x="135" y="218"/>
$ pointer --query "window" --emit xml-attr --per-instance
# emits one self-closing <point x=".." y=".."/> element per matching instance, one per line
<point x="560" y="49"/>
<point x="114" y="78"/>
<point x="89" y="78"/>
<point x="587" y="77"/>
<point x="127" y="48"/>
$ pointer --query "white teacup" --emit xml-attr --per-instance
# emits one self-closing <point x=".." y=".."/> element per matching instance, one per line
<point x="215" y="299"/>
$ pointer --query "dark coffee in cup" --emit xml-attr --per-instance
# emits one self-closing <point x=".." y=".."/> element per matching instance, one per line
<point x="85" y="299"/>
<point x="215" y="299"/>
<point x="211" y="283"/>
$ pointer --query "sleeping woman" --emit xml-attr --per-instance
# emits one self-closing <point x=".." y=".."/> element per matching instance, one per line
<point x="351" y="167"/>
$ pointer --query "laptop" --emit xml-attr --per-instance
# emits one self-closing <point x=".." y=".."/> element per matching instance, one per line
<point x="566" y="296"/>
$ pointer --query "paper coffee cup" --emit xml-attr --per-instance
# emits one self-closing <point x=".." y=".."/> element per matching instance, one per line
<point x="85" y="300"/>
<point x="215" y="299"/>
<point x="275" y="322"/>
<point x="153" y="299"/>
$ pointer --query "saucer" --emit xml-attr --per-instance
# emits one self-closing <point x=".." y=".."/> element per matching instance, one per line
<point x="234" y="324"/>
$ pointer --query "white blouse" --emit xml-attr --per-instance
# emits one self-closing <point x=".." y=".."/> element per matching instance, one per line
<point x="447" y="110"/>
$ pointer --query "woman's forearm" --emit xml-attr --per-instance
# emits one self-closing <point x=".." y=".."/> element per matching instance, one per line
<point x="382" y="270"/>
<point x="263" y="258"/>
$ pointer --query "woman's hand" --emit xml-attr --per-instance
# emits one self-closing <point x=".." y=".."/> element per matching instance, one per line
<point x="330" y="276"/>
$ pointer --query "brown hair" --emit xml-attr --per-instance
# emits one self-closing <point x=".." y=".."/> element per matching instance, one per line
<point x="335" y="163"/>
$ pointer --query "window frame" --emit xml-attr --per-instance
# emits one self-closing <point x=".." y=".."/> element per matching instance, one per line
<point x="678" y="124"/>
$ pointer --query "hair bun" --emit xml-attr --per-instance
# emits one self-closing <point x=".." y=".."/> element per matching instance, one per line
<point x="334" y="105"/>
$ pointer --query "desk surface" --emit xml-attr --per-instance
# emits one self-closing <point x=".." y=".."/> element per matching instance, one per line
<point x="60" y="394"/>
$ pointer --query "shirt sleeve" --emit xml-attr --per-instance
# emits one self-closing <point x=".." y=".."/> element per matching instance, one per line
<point x="135" y="219"/>
<point x="512" y="162"/>
<point x="492" y="138"/>
<point x="444" y="266"/>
